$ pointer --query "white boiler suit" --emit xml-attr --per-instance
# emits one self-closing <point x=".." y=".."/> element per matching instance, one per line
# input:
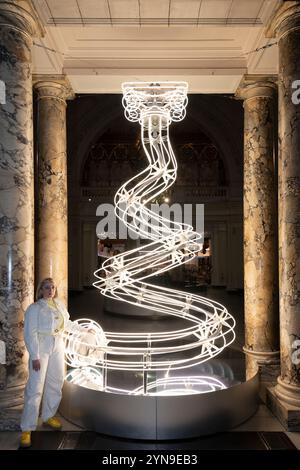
<point x="43" y="338"/>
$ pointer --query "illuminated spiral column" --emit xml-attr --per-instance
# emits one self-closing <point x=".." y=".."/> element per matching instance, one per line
<point x="207" y="325"/>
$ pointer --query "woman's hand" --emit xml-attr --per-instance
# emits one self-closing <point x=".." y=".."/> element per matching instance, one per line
<point x="36" y="365"/>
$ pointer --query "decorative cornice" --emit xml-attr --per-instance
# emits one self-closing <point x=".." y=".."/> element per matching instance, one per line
<point x="257" y="86"/>
<point x="21" y="15"/>
<point x="53" y="86"/>
<point x="285" y="19"/>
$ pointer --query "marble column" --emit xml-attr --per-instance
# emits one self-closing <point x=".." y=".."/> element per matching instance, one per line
<point x="286" y="26"/>
<point x="18" y="25"/>
<point x="52" y="217"/>
<point x="260" y="226"/>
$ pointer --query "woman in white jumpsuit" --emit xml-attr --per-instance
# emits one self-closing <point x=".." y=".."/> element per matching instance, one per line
<point x="45" y="321"/>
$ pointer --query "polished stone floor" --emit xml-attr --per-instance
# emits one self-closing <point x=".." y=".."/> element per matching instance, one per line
<point x="76" y="440"/>
<point x="260" y="431"/>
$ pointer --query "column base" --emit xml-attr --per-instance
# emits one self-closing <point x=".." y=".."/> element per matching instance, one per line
<point x="268" y="373"/>
<point x="288" y="415"/>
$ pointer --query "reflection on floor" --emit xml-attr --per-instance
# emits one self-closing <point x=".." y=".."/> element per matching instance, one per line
<point x="262" y="431"/>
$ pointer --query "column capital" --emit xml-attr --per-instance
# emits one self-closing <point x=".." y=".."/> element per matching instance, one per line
<point x="285" y="19"/>
<point x="256" y="86"/>
<point x="21" y="15"/>
<point x="53" y="86"/>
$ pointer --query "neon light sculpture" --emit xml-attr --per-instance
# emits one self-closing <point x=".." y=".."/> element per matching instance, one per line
<point x="208" y="327"/>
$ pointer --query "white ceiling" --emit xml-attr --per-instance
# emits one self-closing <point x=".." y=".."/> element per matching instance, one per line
<point x="99" y="44"/>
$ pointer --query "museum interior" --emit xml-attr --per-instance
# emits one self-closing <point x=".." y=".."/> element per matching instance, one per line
<point x="207" y="94"/>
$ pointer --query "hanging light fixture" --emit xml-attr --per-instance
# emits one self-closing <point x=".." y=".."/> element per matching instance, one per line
<point x="207" y="325"/>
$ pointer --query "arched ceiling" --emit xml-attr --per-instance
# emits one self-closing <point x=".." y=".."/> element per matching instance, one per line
<point x="99" y="44"/>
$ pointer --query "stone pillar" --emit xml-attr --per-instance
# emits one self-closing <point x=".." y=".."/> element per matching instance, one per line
<point x="18" y="25"/>
<point x="52" y="217"/>
<point x="286" y="399"/>
<point x="260" y="225"/>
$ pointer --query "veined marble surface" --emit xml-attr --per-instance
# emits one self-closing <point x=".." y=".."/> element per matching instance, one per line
<point x="17" y="198"/>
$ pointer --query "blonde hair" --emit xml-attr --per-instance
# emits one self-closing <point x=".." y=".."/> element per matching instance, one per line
<point x="39" y="294"/>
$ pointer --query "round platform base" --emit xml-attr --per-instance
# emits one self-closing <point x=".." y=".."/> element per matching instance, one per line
<point x="160" y="417"/>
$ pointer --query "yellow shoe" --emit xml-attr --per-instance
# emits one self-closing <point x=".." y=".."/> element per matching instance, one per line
<point x="25" y="440"/>
<point x="54" y="423"/>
